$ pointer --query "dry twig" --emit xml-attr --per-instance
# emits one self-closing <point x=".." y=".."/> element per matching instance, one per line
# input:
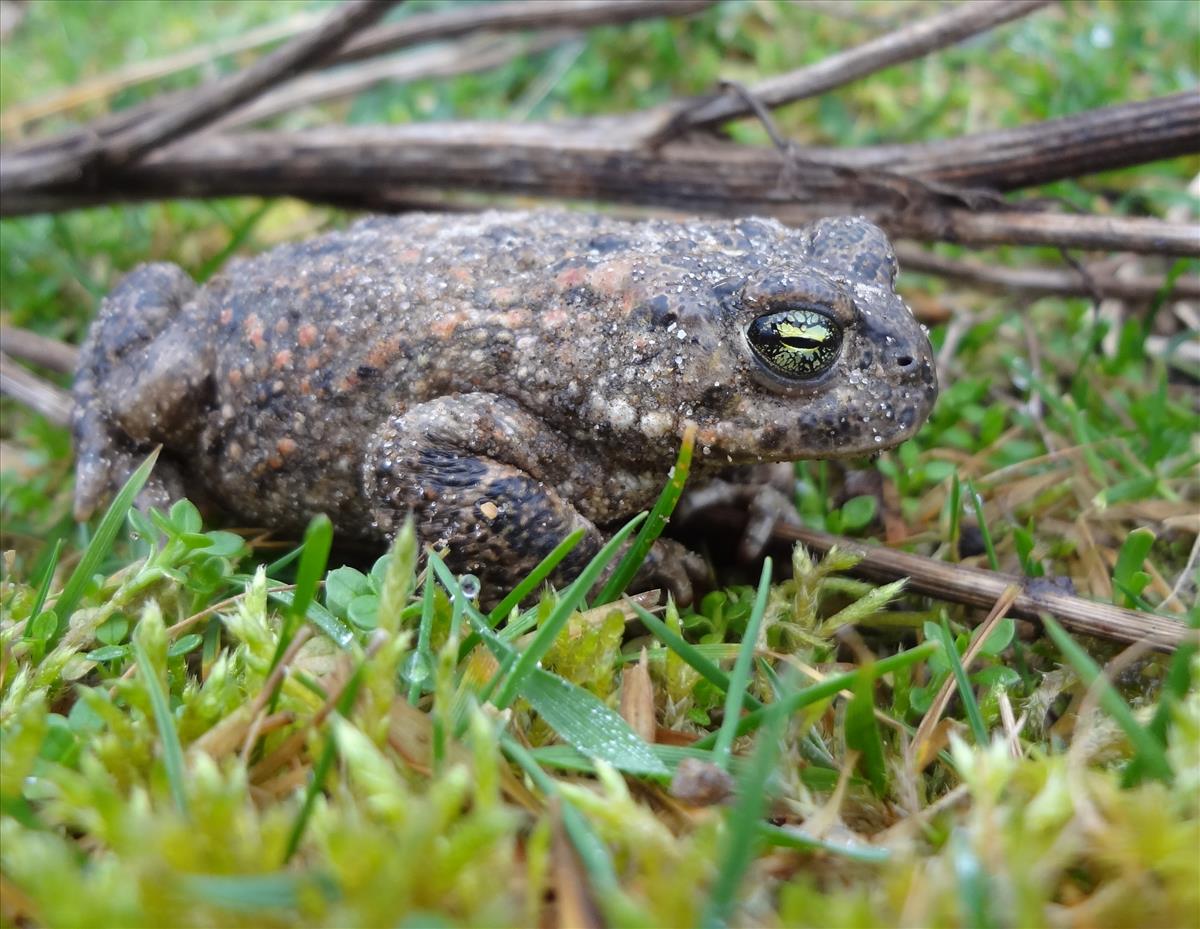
<point x="388" y="37"/>
<point x="920" y="750"/>
<point x="953" y="25"/>
<point x="977" y="587"/>
<point x="38" y="349"/>
<point x="1049" y="281"/>
<point x="481" y="53"/>
<point x="20" y="115"/>
<point x="201" y="108"/>
<point x="506" y="17"/>
<point x="41" y="396"/>
<point x="371" y="167"/>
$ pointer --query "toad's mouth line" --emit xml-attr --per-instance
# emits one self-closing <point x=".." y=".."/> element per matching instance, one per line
<point x="835" y="449"/>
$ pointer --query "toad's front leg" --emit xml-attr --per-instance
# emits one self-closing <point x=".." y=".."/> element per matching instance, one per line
<point x="491" y="482"/>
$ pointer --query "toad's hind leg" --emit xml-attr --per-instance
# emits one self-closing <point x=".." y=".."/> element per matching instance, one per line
<point x="461" y="466"/>
<point x="485" y="478"/>
<point x="135" y="387"/>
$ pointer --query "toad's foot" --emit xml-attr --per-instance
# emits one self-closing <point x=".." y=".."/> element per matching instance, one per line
<point x="766" y="504"/>
<point x="675" y="567"/>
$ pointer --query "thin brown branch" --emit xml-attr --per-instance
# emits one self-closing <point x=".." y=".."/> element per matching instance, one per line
<point x="1048" y="281"/>
<point x="390" y="37"/>
<point x="25" y="387"/>
<point x="38" y="349"/>
<point x="17" y="117"/>
<point x="958" y="22"/>
<point x="1099" y="233"/>
<point x="918" y="754"/>
<point x="479" y="54"/>
<point x="206" y="105"/>
<point x="300" y="54"/>
<point x="1038" y="153"/>
<point x="980" y="588"/>
<point x="596" y="159"/>
<point x="505" y="17"/>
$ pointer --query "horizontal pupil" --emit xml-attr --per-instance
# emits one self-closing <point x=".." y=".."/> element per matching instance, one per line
<point x="800" y="342"/>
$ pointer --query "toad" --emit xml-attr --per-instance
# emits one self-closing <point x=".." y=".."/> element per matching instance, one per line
<point x="506" y="378"/>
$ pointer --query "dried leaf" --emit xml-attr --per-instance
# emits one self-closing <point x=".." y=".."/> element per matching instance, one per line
<point x="637" y="698"/>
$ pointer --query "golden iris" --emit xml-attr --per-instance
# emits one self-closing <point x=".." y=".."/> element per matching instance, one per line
<point x="796" y="344"/>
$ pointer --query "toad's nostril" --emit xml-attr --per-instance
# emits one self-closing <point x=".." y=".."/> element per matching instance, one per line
<point x="904" y="361"/>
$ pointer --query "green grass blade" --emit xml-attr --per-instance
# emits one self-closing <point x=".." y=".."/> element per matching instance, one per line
<point x="829" y="687"/>
<point x="965" y="691"/>
<point x="44" y="586"/>
<point x="653" y="527"/>
<point x="974" y="888"/>
<point x="592" y="851"/>
<point x="862" y="733"/>
<point x="739" y="680"/>
<point x="567" y="603"/>
<point x="253" y="893"/>
<point x="237" y="238"/>
<point x="529" y="584"/>
<point x="569" y="758"/>
<point x="791" y="838"/>
<point x="1130" y="558"/>
<point x="283" y="561"/>
<point x="583" y="720"/>
<point x="955" y="514"/>
<point x="589" y="725"/>
<point x="172" y="749"/>
<point x="318" y="538"/>
<point x="316" y="782"/>
<point x="101" y="542"/>
<point x="744" y="822"/>
<point x="1174" y="690"/>
<point x="688" y="652"/>
<point x="989" y="547"/>
<point x="1178" y="680"/>
<point x="423" y="654"/>
<point x="320" y="617"/>
<point x="1149" y="751"/>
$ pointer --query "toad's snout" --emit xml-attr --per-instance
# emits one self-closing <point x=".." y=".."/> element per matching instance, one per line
<point x="900" y="344"/>
<point x="909" y="360"/>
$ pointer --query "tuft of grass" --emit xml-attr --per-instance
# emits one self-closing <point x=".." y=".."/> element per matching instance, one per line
<point x="150" y="638"/>
<point x="739" y="679"/>
<point x="652" y="528"/>
<point x="557" y="619"/>
<point x="966" y="692"/>
<point x="744" y="819"/>
<point x="97" y="549"/>
<point x="1150" y="755"/>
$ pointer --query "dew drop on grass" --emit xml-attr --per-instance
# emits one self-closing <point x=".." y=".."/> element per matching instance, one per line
<point x="469" y="585"/>
<point x="416" y="668"/>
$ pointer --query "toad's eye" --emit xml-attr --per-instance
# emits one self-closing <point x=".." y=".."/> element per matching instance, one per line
<point x="796" y="344"/>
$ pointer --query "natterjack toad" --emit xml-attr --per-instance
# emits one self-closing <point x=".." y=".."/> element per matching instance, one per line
<point x="504" y="377"/>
